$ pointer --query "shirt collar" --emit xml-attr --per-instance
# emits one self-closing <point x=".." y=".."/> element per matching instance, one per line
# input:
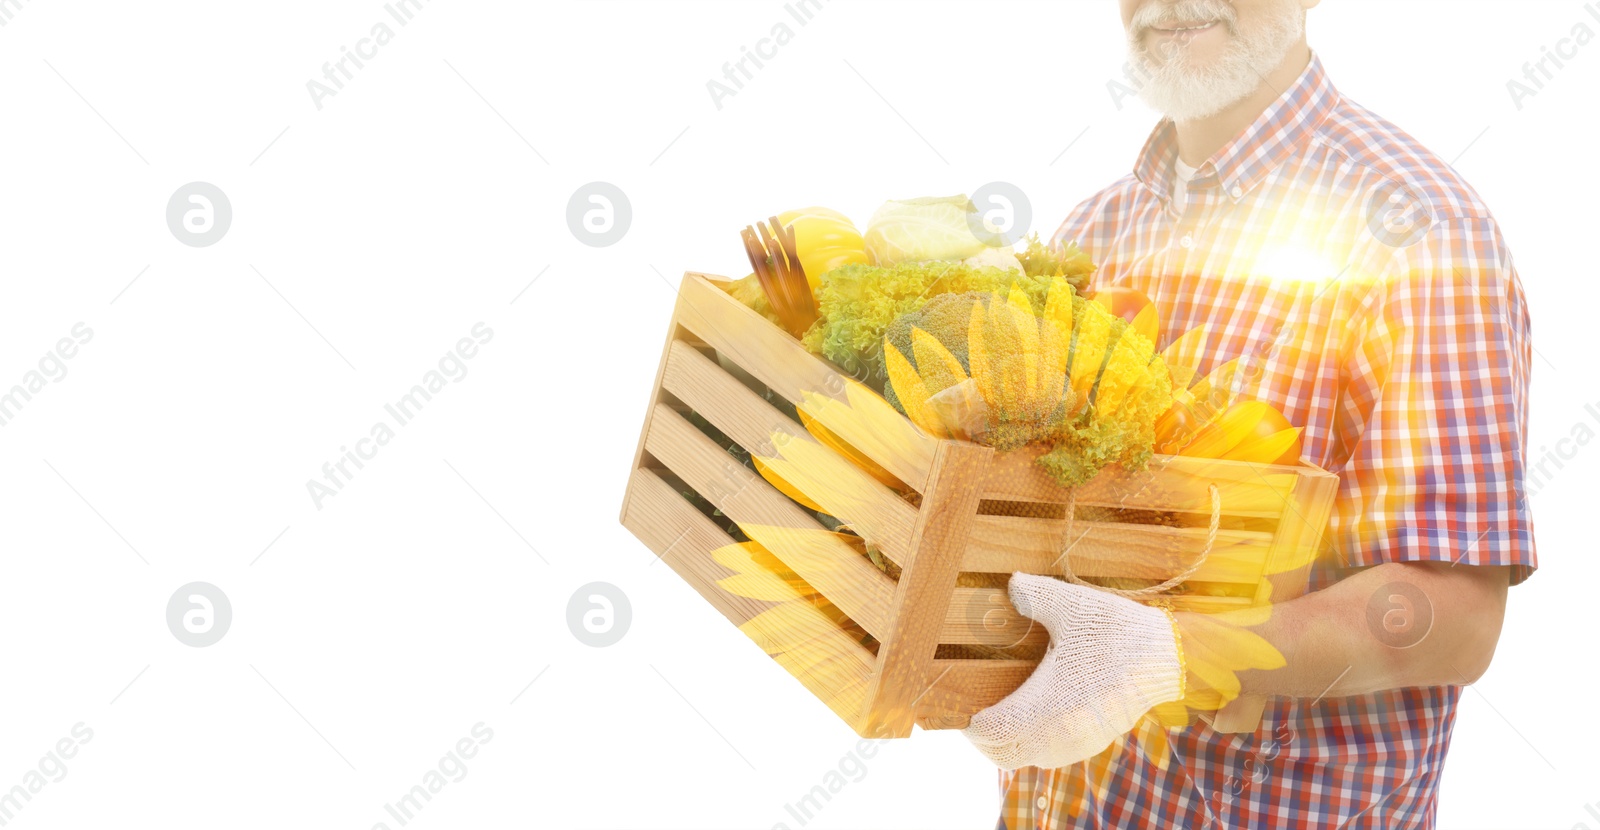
<point x="1245" y="161"/>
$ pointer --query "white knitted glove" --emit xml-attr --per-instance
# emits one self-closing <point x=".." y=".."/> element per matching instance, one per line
<point x="1109" y="661"/>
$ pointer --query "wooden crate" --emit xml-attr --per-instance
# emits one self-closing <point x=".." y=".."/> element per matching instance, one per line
<point x="967" y="522"/>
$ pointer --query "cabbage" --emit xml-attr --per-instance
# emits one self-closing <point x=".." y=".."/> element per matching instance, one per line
<point x="919" y="230"/>
<point x="1004" y="258"/>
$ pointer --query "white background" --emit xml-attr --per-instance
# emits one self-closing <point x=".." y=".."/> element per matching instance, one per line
<point x="375" y="632"/>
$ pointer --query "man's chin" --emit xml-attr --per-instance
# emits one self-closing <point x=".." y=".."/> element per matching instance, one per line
<point x="1189" y="63"/>
<point x="1190" y="86"/>
<point x="1189" y="101"/>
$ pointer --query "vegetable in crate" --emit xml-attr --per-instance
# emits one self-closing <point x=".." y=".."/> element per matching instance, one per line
<point x="924" y="229"/>
<point x="1063" y="372"/>
<point x="963" y="378"/>
<point x="1067" y="261"/>
<point x="946" y="317"/>
<point x="921" y="248"/>
<point x="1204" y="420"/>
<point x="858" y="302"/>
<point x="825" y="239"/>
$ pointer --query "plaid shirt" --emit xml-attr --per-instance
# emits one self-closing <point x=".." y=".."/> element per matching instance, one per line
<point x="1371" y="298"/>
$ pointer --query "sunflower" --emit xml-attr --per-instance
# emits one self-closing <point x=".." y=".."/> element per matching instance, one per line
<point x="805" y="633"/>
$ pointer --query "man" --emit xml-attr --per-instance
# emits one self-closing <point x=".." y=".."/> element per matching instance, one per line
<point x="1369" y="296"/>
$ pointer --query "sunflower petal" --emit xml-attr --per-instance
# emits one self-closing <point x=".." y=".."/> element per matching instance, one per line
<point x="1027" y="326"/>
<point x="1093" y="328"/>
<point x="937" y="367"/>
<point x="1183" y="356"/>
<point x="909" y="389"/>
<point x="783" y="486"/>
<point x="978" y="355"/>
<point x="831" y="440"/>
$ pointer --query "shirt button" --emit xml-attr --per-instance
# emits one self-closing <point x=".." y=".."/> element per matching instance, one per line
<point x="1041" y="802"/>
<point x="1187" y="241"/>
<point x="1237" y="191"/>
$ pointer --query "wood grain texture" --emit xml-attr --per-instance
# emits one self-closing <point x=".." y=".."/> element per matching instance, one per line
<point x="1170" y="482"/>
<point x="1004" y="544"/>
<point x="836" y="670"/>
<point x="961" y="688"/>
<point x="923" y="593"/>
<point x="833" y="567"/>
<point x="877" y="512"/>
<point x="683" y="538"/>
<point x="780" y="362"/>
<point x="985" y="616"/>
<point x="655" y="398"/>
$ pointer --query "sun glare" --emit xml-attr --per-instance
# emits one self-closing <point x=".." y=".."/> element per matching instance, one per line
<point x="1293" y="263"/>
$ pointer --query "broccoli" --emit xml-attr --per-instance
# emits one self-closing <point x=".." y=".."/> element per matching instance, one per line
<point x="1102" y="412"/>
<point x="948" y="317"/>
<point x="856" y="304"/>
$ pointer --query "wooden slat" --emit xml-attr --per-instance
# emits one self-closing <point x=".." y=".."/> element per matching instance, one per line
<point x="923" y="593"/>
<point x="655" y="397"/>
<point x="871" y="509"/>
<point x="684" y="539"/>
<point x="1170" y="482"/>
<point x="1004" y="544"/>
<point x="985" y="616"/>
<point x="830" y="565"/>
<point x="780" y="362"/>
<point x="961" y="688"/>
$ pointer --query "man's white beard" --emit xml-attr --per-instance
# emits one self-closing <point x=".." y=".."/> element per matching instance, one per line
<point x="1185" y="92"/>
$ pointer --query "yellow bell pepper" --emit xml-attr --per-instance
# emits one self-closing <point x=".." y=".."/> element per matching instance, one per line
<point x="826" y="239"/>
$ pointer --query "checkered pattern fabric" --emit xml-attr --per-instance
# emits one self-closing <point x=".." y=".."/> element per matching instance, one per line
<point x="1368" y="295"/>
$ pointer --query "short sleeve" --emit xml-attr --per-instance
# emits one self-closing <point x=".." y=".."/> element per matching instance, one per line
<point x="1434" y="410"/>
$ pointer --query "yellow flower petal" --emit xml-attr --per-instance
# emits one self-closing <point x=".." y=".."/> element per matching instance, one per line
<point x="912" y="393"/>
<point x="1183" y="356"/>
<point x="1093" y="325"/>
<point x="1214" y="393"/>
<point x="937" y="367"/>
<point x="1124" y="367"/>
<point x="831" y="440"/>
<point x="783" y="486"/>
<point x="760" y="575"/>
<point x="1052" y="367"/>
<point x="875" y="429"/>
<point x="963" y="410"/>
<point x="1147" y="324"/>
<point x="1003" y="337"/>
<point x="1027" y="326"/>
<point x="978" y="356"/>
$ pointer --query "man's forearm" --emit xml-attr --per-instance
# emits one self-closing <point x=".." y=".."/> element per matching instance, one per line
<point x="1441" y="633"/>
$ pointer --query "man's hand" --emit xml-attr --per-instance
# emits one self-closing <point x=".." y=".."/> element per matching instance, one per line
<point x="1109" y="661"/>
